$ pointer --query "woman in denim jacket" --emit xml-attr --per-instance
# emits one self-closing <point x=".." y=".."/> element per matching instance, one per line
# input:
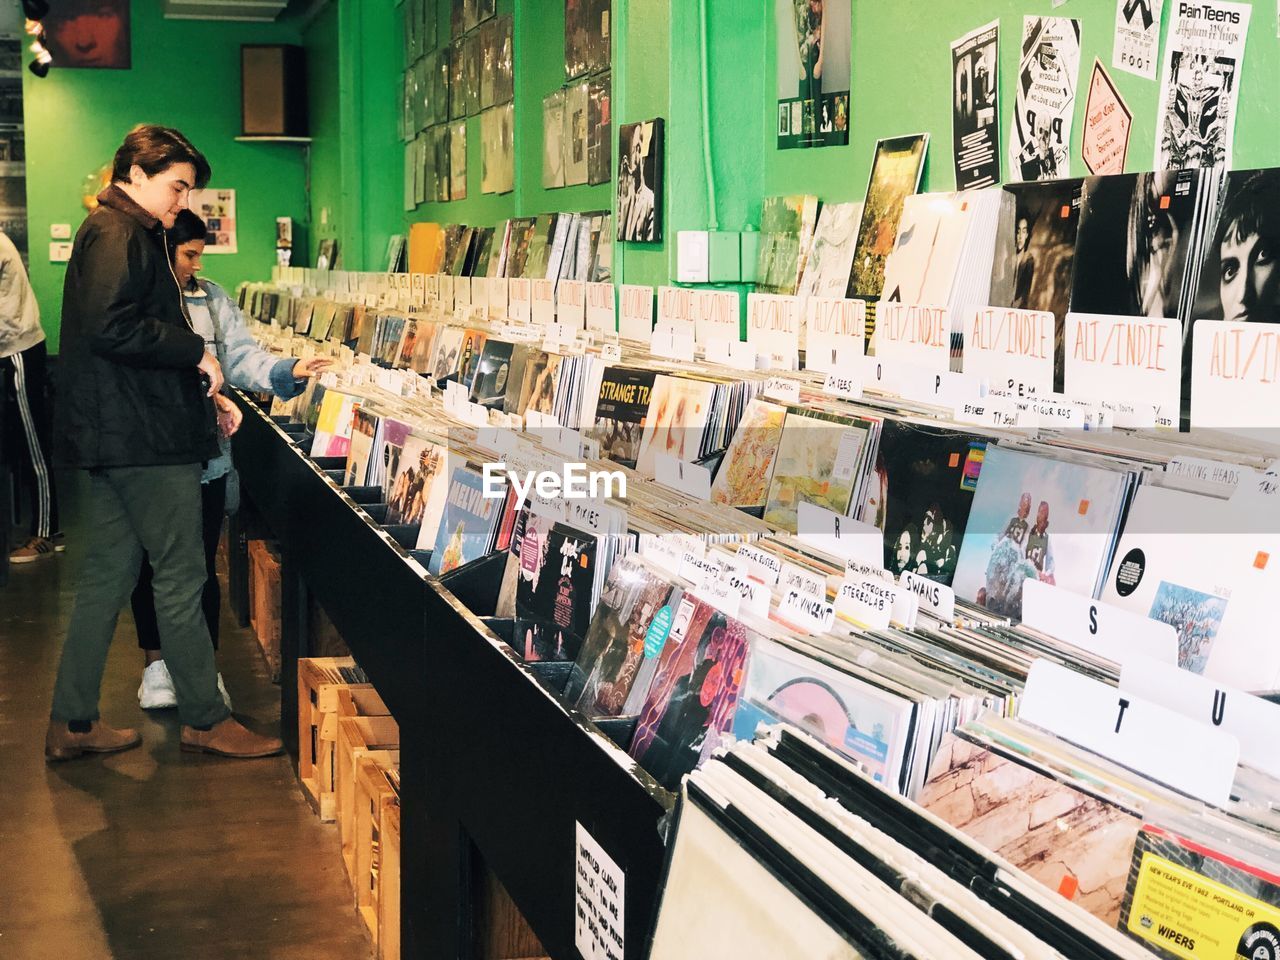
<point x="245" y="365"/>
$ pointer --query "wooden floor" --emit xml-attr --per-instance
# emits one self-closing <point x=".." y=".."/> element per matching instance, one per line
<point x="152" y="854"/>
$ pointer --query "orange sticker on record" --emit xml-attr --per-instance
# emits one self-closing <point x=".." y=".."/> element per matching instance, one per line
<point x="1164" y="202"/>
<point x="1066" y="211"/>
<point x="1083" y="508"/>
<point x="953" y="460"/>
<point x="1260" y="561"/>
<point x="582" y="561"/>
<point x="1069" y="886"/>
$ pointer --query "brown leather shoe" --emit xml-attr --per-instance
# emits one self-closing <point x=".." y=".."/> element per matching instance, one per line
<point x="61" y="744"/>
<point x="229" y="739"/>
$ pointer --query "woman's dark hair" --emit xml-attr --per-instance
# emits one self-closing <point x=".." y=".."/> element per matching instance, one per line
<point x="155" y="149"/>
<point x="186" y="227"/>
<point x="1252" y="207"/>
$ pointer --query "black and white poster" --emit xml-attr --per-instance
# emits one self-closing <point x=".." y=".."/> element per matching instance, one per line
<point x="1137" y="42"/>
<point x="814" y="45"/>
<point x="975" y="129"/>
<point x="1040" y="136"/>
<point x="1199" y="86"/>
<point x="640" y="181"/>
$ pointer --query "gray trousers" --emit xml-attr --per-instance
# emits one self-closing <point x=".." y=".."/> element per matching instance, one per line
<point x="156" y="509"/>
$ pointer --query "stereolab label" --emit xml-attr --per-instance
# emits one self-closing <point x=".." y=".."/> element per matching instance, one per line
<point x="1188" y="915"/>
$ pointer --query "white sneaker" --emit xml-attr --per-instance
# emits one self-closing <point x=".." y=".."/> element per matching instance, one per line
<point x="157" y="692"/>
<point x="226" y="697"/>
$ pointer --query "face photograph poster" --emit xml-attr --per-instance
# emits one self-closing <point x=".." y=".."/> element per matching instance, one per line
<point x="217" y="208"/>
<point x="1199" y="84"/>
<point x="1040" y="137"/>
<point x="975" y="117"/>
<point x="640" y="181"/>
<point x="89" y="33"/>
<point x="814" y="58"/>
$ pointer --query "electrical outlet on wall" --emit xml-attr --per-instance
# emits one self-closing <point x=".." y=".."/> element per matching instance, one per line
<point x="60" y="231"/>
<point x="59" y="251"/>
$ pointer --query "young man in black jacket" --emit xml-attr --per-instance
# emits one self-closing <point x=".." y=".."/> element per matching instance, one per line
<point x="134" y="409"/>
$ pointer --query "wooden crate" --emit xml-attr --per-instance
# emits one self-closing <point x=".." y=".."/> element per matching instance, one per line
<point x="357" y="736"/>
<point x="373" y="793"/>
<point x="264" y="601"/>
<point x="319" y="697"/>
<point x="389" y="883"/>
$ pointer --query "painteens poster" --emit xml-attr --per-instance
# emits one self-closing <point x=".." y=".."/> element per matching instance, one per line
<point x="975" y="129"/>
<point x="1040" y="137"/>
<point x="1199" y="86"/>
<point x="814" y="60"/>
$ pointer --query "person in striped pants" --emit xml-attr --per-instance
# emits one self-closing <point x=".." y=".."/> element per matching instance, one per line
<point x="23" y="379"/>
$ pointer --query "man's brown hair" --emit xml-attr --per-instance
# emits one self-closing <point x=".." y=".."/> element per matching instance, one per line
<point x="155" y="148"/>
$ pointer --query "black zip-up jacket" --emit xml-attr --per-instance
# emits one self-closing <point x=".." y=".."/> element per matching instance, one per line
<point x="129" y="392"/>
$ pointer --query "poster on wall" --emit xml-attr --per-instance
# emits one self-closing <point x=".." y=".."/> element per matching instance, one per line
<point x="814" y="42"/>
<point x="975" y="128"/>
<point x="640" y="181"/>
<point x="217" y="208"/>
<point x="1199" y="84"/>
<point x="89" y="35"/>
<point x="587" y="37"/>
<point x="1040" y="137"/>
<point x="1107" y="122"/>
<point x="1137" y="41"/>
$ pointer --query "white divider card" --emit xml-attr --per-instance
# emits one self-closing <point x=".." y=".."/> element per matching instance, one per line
<point x="781" y="389"/>
<point x="1251" y="720"/>
<point x="480" y="294"/>
<point x="418" y="286"/>
<point x="1011" y="349"/>
<point x="1100" y="628"/>
<point x="664" y="552"/>
<point x="433" y="288"/>
<point x="602" y="311"/>
<point x="496" y="298"/>
<point x="997" y="412"/>
<point x="760" y="564"/>
<point x="807" y="611"/>
<point x="518" y="300"/>
<point x="611" y="352"/>
<point x="794" y="577"/>
<point x="715" y="315"/>
<point x="904" y="604"/>
<point x="914" y="333"/>
<point x="773" y="328"/>
<point x="676" y="308"/>
<point x="600" y="896"/>
<point x="914" y="382"/>
<point x="1130" y="414"/>
<point x="834" y="332"/>
<point x="542" y="301"/>
<point x="846" y="386"/>
<point x="692" y="479"/>
<point x="404" y="283"/>
<point x="461" y="292"/>
<point x="1235" y="375"/>
<point x="1229" y="476"/>
<point x="571" y="303"/>
<point x="721" y="594"/>
<point x="839" y="535"/>
<point x="671" y="344"/>
<point x="755" y="596"/>
<point x="937" y="598"/>
<point x="446" y="291"/>
<point x="1133" y="358"/>
<point x="635" y="312"/>
<point x="1193" y="757"/>
<point x="865" y="601"/>
<point x="731" y="353"/>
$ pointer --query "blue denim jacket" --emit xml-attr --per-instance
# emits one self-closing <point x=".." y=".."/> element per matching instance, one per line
<point x="217" y="318"/>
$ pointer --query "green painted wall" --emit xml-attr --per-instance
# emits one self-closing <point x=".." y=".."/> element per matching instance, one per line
<point x="185" y="74"/>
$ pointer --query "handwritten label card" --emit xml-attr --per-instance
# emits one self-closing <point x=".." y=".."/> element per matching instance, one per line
<point x="731" y="353"/>
<point x="497" y="298"/>
<point x="571" y="304"/>
<point x="635" y="312"/>
<point x="692" y="479"/>
<point x="671" y="344"/>
<point x="1102" y="629"/>
<point x="1135" y="358"/>
<point x="519" y="303"/>
<point x="914" y="333"/>
<point x="1235" y="375"/>
<point x="715" y="315"/>
<point x="542" y="301"/>
<point x="600" y="888"/>
<point x="676" y="308"/>
<point x="1011" y="349"/>
<point x="834" y="331"/>
<point x="839" y="535"/>
<point x="602" y="314"/>
<point x="773" y="328"/>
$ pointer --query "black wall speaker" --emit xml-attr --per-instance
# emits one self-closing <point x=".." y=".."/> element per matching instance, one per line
<point x="273" y="90"/>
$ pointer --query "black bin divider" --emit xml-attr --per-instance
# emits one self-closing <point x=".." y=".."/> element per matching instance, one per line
<point x="330" y="463"/>
<point x="504" y="627"/>
<point x="337" y="476"/>
<point x="476" y="584"/>
<point x="377" y="511"/>
<point x="363" y="494"/>
<point x="405" y="534"/>
<point x="422" y="556"/>
<point x="552" y="674"/>
<point x="618" y="729"/>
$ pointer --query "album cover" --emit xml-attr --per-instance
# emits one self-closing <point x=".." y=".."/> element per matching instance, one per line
<point x="457" y="81"/>
<point x="690" y="704"/>
<point x="640" y="173"/>
<point x="1033" y="516"/>
<point x="497" y="149"/>
<point x="576" y="104"/>
<point x="333" y="425"/>
<point x="364" y="428"/>
<point x="440" y="147"/>
<point x="827" y="269"/>
<point x="419" y="484"/>
<point x="482" y="252"/>
<point x="448" y="344"/>
<point x="925" y="477"/>
<point x="678" y="411"/>
<point x="520" y="239"/>
<point x="1035" y="254"/>
<point x="504" y="76"/>
<point x="895" y="174"/>
<point x="1071" y="841"/>
<point x="553" y="139"/>
<point x="817" y="460"/>
<point x="458" y="160"/>
<point x="922" y="267"/>
<point x="473" y="342"/>
<point x="786" y="234"/>
<point x="626" y="636"/>
<point x="471" y="59"/>
<point x="554" y="591"/>
<point x="539" y="253"/>
<point x="468" y="524"/>
<point x="384" y="466"/>
<point x="441" y="71"/>
<point x="813" y="46"/>
<point x="743" y="477"/>
<point x="621" y="409"/>
<point x="457" y="17"/>
<point x="599" y="130"/>
<point x="586" y="37"/>
<point x="1237" y="279"/>
<point x="1132" y="243"/>
<point x="489" y="387"/>
<point x="541" y="377"/>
